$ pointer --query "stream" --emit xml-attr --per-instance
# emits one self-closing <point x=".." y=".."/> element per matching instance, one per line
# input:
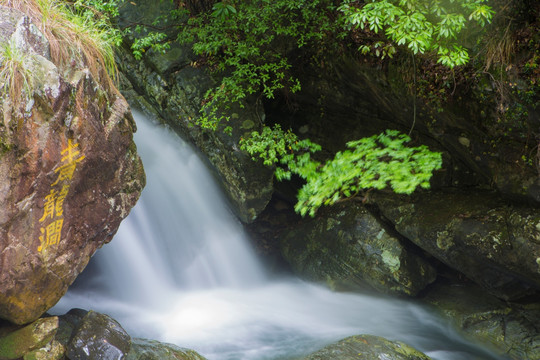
<point x="181" y="270"/>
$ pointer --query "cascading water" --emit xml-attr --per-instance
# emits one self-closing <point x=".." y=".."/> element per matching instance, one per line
<point x="181" y="271"/>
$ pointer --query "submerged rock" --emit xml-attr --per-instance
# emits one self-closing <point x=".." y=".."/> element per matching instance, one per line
<point x="512" y="329"/>
<point x="98" y="336"/>
<point x="346" y="246"/>
<point x="143" y="349"/>
<point x="492" y="242"/>
<point x="69" y="173"/>
<point x="367" y="347"/>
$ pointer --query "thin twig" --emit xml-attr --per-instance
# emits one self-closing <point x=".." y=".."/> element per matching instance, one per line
<point x="414" y="95"/>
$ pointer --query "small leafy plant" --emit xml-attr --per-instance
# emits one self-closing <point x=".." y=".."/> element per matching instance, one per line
<point x="376" y="162"/>
<point x="277" y="147"/>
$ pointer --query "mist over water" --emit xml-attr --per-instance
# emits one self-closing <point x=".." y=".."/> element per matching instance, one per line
<point x="181" y="270"/>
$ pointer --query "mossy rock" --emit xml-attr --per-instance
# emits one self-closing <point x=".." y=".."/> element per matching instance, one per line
<point x="20" y="342"/>
<point x="144" y="349"/>
<point x="491" y="241"/>
<point x="367" y="347"/>
<point x="346" y="246"/>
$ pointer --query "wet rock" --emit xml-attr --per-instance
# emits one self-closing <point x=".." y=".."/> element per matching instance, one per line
<point x="512" y="329"/>
<point x="347" y="247"/>
<point x="143" y="349"/>
<point x="81" y="334"/>
<point x="18" y="343"/>
<point x="98" y="337"/>
<point x="492" y="242"/>
<point x="367" y="347"/>
<point x="69" y="173"/>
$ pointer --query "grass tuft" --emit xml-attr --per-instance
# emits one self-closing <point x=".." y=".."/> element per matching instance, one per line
<point x="15" y="77"/>
<point x="75" y="39"/>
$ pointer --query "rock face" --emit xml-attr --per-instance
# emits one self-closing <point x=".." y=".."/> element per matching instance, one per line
<point x="172" y="87"/>
<point x="367" y="347"/>
<point x="346" y="246"/>
<point x="493" y="243"/>
<point x="69" y="173"/>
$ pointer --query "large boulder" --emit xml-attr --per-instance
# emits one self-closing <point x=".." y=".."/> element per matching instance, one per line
<point x="367" y="347"/>
<point x="346" y="246"/>
<point x="492" y="242"/>
<point x="69" y="173"/>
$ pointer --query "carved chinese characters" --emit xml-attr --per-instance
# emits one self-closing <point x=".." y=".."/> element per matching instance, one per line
<point x="52" y="220"/>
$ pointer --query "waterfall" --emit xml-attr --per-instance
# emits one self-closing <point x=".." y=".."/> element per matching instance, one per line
<point x="181" y="270"/>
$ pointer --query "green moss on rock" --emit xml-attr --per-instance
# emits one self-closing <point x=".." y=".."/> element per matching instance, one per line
<point x="18" y="343"/>
<point x="346" y="246"/>
<point x="493" y="242"/>
<point x="367" y="347"/>
<point x="143" y="349"/>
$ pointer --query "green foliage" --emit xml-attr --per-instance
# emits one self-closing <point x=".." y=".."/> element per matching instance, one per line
<point x="223" y="10"/>
<point x="276" y="147"/>
<point x="103" y="13"/>
<point x="100" y="14"/>
<point x="106" y="9"/>
<point x="421" y="25"/>
<point x="375" y="162"/>
<point x="151" y="36"/>
<point x="247" y="41"/>
<point x="151" y="40"/>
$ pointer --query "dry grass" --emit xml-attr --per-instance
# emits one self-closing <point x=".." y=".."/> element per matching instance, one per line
<point x="499" y="50"/>
<point x="73" y="41"/>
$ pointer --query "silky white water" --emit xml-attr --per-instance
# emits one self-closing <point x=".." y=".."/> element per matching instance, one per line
<point x="180" y="270"/>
